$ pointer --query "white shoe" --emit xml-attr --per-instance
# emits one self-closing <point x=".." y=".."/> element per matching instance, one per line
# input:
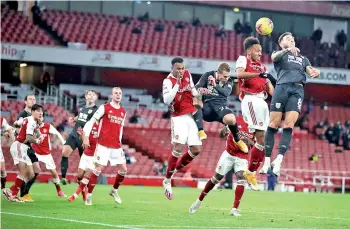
<point x="114" y="193"/>
<point x="234" y="212"/>
<point x="167" y="189"/>
<point x="195" y="206"/>
<point x="88" y="200"/>
<point x="266" y="166"/>
<point x="276" y="165"/>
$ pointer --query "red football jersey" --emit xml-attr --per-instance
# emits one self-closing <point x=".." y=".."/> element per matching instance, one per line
<point x="183" y="101"/>
<point x="93" y="140"/>
<point x="111" y="126"/>
<point x="253" y="85"/>
<point x="231" y="147"/>
<point x="44" y="147"/>
<point x="4" y="125"/>
<point x="28" y="127"/>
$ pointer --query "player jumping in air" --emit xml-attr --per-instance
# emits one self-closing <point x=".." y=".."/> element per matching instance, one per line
<point x="178" y="91"/>
<point x="231" y="158"/>
<point x="111" y="117"/>
<point x="19" y="151"/>
<point x="292" y="69"/>
<point x="43" y="152"/>
<point x="29" y="101"/>
<point x="254" y="87"/>
<point x="5" y="128"/>
<point x="74" y="142"/>
<point x="86" y="164"/>
<point x="215" y="108"/>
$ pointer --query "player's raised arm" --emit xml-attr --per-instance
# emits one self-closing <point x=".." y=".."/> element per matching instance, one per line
<point x="169" y="92"/>
<point x="54" y="131"/>
<point x="95" y="118"/>
<point x="311" y="71"/>
<point x="194" y="91"/>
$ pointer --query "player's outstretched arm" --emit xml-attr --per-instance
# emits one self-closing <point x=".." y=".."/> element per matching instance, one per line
<point x="95" y="118"/>
<point x="54" y="131"/>
<point x="242" y="74"/>
<point x="18" y="123"/>
<point x="169" y="92"/>
<point x="276" y="56"/>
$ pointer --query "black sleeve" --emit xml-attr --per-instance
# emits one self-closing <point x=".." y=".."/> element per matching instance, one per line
<point x="21" y="115"/>
<point x="225" y="90"/>
<point x="306" y="63"/>
<point x="203" y="81"/>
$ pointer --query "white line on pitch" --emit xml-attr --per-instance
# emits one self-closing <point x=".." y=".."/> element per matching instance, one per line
<point x="138" y="226"/>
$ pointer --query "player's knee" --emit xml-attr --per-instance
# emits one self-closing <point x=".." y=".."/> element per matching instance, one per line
<point x="66" y="151"/>
<point x="3" y="173"/>
<point x="178" y="148"/>
<point x="36" y="167"/>
<point x="260" y="136"/>
<point x="289" y="124"/>
<point x="229" y="119"/>
<point x="216" y="178"/>
<point x="195" y="150"/>
<point x="122" y="172"/>
<point x="240" y="176"/>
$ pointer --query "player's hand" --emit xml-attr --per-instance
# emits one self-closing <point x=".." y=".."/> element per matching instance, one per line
<point x="71" y="120"/>
<point x="294" y="50"/>
<point x="313" y="72"/>
<point x="80" y="131"/>
<point x="204" y="91"/>
<point x="212" y="81"/>
<point x="40" y="139"/>
<point x="86" y="142"/>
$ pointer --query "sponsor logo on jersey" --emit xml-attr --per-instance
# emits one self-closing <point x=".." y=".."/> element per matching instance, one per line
<point x="90" y="111"/>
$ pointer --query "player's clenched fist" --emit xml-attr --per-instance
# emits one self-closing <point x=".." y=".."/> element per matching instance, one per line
<point x="212" y="81"/>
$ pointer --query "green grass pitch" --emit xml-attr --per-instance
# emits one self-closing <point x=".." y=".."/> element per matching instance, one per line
<point x="147" y="207"/>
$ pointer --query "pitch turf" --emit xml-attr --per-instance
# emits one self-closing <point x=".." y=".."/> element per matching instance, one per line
<point x="147" y="207"/>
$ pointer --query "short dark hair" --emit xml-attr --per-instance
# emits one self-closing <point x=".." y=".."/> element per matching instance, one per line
<point x="283" y="35"/>
<point x="37" y="107"/>
<point x="26" y="97"/>
<point x="177" y="60"/>
<point x="250" y="41"/>
<point x="224" y="67"/>
<point x="90" y="90"/>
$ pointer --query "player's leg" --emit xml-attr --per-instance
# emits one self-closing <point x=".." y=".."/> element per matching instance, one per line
<point x="36" y="169"/>
<point x="194" y="142"/>
<point x="238" y="193"/>
<point x="277" y="107"/>
<point x="3" y="170"/>
<point x="256" y="157"/>
<point x="178" y="140"/>
<point x="67" y="149"/>
<point x="56" y="182"/>
<point x="101" y="157"/>
<point x="198" y="118"/>
<point x="122" y="169"/>
<point x="228" y="118"/>
<point x="12" y="192"/>
<point x="255" y="112"/>
<point x="224" y="165"/>
<point x="84" y="180"/>
<point x="292" y="109"/>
